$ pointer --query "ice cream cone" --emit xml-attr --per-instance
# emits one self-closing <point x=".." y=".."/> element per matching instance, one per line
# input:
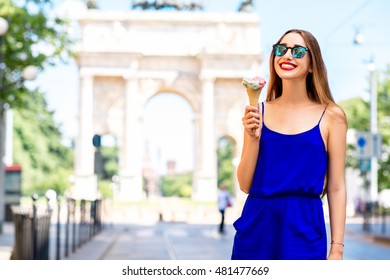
<point x="253" y="89"/>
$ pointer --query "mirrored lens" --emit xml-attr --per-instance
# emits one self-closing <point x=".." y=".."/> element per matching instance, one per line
<point x="280" y="50"/>
<point x="298" y="51"/>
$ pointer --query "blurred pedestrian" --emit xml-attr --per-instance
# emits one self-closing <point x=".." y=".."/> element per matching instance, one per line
<point x="293" y="155"/>
<point x="224" y="201"/>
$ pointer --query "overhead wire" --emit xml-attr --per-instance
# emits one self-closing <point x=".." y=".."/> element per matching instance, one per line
<point x="345" y="20"/>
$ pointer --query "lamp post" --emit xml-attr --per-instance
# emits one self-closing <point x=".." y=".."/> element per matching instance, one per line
<point x="3" y="30"/>
<point x="28" y="73"/>
<point x="373" y="130"/>
<point x="3" y="26"/>
<point x="375" y="153"/>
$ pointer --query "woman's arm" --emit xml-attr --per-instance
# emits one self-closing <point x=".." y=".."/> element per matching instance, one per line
<point x="336" y="180"/>
<point x="250" y="150"/>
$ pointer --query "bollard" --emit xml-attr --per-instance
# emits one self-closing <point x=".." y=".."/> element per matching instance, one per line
<point x="44" y="227"/>
<point x="58" y="252"/>
<point x="35" y="227"/>
<point x="82" y="223"/>
<point x="90" y="220"/>
<point x="67" y="228"/>
<point x="43" y="235"/>
<point x="93" y="218"/>
<point x="383" y="220"/>
<point x="99" y="215"/>
<point x="73" y="210"/>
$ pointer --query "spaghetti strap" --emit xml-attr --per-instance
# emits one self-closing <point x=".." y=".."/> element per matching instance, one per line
<point x="262" y="112"/>
<point x="323" y="114"/>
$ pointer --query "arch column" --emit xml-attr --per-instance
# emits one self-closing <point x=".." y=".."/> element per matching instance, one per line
<point x="130" y="173"/>
<point x="206" y="179"/>
<point x="85" y="180"/>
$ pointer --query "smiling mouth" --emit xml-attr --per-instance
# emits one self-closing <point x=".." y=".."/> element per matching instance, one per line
<point x="287" y="66"/>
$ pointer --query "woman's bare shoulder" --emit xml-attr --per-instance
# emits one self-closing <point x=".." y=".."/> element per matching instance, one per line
<point x="336" y="114"/>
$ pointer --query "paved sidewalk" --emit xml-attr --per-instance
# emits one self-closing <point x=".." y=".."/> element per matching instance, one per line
<point x="170" y="241"/>
<point x="189" y="237"/>
<point x="6" y="241"/>
<point x="163" y="241"/>
<point x="128" y="220"/>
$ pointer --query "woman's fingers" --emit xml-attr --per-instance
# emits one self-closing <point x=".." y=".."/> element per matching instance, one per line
<point x="251" y="120"/>
<point x="251" y="116"/>
<point x="252" y="128"/>
<point x="251" y="109"/>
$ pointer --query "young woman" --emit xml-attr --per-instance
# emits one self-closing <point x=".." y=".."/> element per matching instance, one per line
<point x="293" y="154"/>
<point x="224" y="201"/>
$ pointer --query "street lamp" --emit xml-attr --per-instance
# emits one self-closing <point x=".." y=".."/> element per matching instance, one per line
<point x="28" y="73"/>
<point x="359" y="38"/>
<point x="3" y="30"/>
<point x="374" y="136"/>
<point x="3" y="26"/>
<point x="373" y="129"/>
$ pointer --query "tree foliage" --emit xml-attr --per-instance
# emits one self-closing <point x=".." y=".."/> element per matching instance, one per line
<point x="108" y="165"/>
<point x="358" y="115"/>
<point x="109" y="157"/>
<point x="35" y="37"/>
<point x="46" y="162"/>
<point x="177" y="185"/>
<point x="225" y="155"/>
<point x="357" y="111"/>
<point x="384" y="128"/>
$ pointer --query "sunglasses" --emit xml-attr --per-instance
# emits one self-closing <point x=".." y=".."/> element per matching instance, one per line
<point x="297" y="51"/>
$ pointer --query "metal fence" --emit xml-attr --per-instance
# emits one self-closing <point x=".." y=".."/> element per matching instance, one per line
<point x="76" y="222"/>
<point x="83" y="221"/>
<point x="31" y="233"/>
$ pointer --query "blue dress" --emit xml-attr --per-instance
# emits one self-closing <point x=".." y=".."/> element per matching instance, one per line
<point x="283" y="218"/>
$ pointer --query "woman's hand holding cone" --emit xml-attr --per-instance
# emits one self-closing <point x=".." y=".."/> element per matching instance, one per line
<point x="251" y="119"/>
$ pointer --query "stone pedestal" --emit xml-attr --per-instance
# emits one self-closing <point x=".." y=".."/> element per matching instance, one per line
<point x="85" y="187"/>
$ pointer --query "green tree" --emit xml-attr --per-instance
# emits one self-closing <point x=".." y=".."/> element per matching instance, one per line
<point x="46" y="162"/>
<point x="384" y="128"/>
<point x="110" y="162"/>
<point x="177" y="185"/>
<point x="358" y="115"/>
<point x="357" y="111"/>
<point x="225" y="155"/>
<point x="35" y="37"/>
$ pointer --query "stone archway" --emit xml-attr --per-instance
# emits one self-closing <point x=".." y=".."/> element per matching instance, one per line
<point x="168" y="125"/>
<point x="125" y="58"/>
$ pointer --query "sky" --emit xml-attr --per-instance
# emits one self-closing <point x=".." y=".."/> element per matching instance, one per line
<point x="333" y="22"/>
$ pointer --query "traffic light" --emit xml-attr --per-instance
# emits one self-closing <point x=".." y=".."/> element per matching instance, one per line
<point x="96" y="140"/>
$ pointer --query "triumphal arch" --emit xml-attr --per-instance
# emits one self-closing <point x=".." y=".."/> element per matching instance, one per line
<point x="126" y="58"/>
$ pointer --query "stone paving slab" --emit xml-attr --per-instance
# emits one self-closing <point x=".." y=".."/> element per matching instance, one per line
<point x="172" y="241"/>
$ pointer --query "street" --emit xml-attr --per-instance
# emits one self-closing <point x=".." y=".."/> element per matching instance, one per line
<point x="138" y="233"/>
<point x="182" y="241"/>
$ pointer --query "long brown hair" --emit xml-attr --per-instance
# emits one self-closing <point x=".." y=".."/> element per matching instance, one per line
<point x="317" y="83"/>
